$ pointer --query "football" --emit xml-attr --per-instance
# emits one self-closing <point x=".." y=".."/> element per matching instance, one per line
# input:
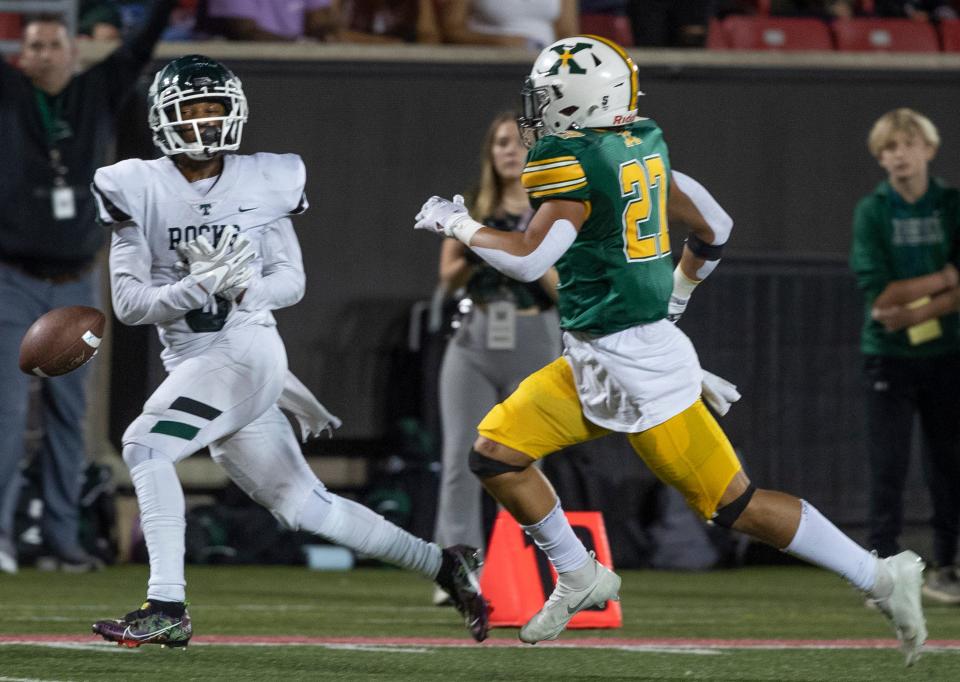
<point x="61" y="340"/>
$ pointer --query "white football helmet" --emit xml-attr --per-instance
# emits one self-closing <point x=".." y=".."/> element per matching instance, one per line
<point x="578" y="82"/>
<point x="189" y="79"/>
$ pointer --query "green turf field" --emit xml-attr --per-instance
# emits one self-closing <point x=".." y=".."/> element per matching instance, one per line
<point x="378" y="624"/>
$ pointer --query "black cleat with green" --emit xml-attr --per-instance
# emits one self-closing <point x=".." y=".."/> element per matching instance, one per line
<point x="459" y="576"/>
<point x="164" y="623"/>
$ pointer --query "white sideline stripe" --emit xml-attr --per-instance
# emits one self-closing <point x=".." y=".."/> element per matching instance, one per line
<point x="28" y="679"/>
<point x="104" y="647"/>
<point x="391" y="647"/>
<point x="90" y="645"/>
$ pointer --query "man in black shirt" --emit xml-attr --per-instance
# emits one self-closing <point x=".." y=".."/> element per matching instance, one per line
<point x="56" y="128"/>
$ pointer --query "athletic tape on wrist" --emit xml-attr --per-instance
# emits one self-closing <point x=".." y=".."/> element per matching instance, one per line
<point x="683" y="286"/>
<point x="464" y="229"/>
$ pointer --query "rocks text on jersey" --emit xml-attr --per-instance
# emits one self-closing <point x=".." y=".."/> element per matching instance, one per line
<point x="191" y="232"/>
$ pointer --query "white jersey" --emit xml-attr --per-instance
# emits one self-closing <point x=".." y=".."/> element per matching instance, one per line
<point x="153" y="208"/>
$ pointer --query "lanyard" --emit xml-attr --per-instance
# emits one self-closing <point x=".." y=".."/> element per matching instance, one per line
<point x="56" y="130"/>
<point x="54" y="126"/>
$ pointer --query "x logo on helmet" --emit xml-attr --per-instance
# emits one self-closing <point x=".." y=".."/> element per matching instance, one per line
<point x="566" y="59"/>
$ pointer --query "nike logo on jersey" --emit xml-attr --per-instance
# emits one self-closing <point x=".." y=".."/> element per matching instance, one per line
<point x="244" y="210"/>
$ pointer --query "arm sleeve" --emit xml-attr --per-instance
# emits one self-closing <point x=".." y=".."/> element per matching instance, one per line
<point x="121" y="69"/>
<point x="719" y="220"/>
<point x="282" y="280"/>
<point x="868" y="258"/>
<point x="533" y="266"/>
<point x="135" y="299"/>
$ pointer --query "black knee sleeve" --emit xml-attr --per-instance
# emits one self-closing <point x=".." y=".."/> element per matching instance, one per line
<point x="485" y="467"/>
<point x="727" y="515"/>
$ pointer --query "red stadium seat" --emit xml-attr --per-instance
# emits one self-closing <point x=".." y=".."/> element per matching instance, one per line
<point x="950" y="35"/>
<point x="10" y="26"/>
<point x="616" y="27"/>
<point x="776" y="33"/>
<point x="716" y="36"/>
<point x="864" y="34"/>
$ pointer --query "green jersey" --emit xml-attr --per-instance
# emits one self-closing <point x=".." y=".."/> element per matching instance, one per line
<point x="895" y="240"/>
<point x="618" y="273"/>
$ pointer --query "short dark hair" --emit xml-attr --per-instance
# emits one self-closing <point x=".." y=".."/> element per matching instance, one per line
<point x="45" y="18"/>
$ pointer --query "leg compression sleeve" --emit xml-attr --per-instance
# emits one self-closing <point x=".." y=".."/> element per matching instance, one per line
<point x="162" y="520"/>
<point x="365" y="532"/>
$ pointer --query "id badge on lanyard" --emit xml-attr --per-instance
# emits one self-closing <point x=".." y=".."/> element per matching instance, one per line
<point x="501" y="325"/>
<point x="63" y="204"/>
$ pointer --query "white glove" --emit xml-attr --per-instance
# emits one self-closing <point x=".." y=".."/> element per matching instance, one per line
<point x="718" y="392"/>
<point x="446" y="217"/>
<point x="193" y="251"/>
<point x="222" y="267"/>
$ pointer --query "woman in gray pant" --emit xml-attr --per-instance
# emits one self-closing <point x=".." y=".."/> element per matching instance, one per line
<point x="511" y="330"/>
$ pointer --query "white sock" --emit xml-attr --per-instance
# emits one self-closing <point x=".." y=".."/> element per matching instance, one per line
<point x="162" y="520"/>
<point x="554" y="535"/>
<point x="820" y="542"/>
<point x="364" y="531"/>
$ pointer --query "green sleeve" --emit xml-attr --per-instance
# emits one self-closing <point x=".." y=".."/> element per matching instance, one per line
<point x="953" y="251"/>
<point x="869" y="257"/>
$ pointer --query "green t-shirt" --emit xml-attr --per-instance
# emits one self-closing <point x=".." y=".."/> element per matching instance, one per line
<point x="618" y="272"/>
<point x="895" y="240"/>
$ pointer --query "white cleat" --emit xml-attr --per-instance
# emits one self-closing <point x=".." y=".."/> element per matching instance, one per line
<point x="903" y="607"/>
<point x="8" y="563"/>
<point x="565" y="602"/>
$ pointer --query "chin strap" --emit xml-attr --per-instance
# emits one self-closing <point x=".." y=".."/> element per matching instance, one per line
<point x="200" y="156"/>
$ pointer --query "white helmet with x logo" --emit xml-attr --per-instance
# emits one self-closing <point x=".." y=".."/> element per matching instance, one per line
<point x="578" y="82"/>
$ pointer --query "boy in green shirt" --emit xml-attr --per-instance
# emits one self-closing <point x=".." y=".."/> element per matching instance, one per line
<point x="904" y="242"/>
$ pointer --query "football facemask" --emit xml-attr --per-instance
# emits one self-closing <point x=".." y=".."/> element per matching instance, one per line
<point x="190" y="80"/>
<point x="578" y="82"/>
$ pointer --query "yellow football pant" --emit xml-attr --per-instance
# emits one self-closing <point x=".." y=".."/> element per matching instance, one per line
<point x="689" y="451"/>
